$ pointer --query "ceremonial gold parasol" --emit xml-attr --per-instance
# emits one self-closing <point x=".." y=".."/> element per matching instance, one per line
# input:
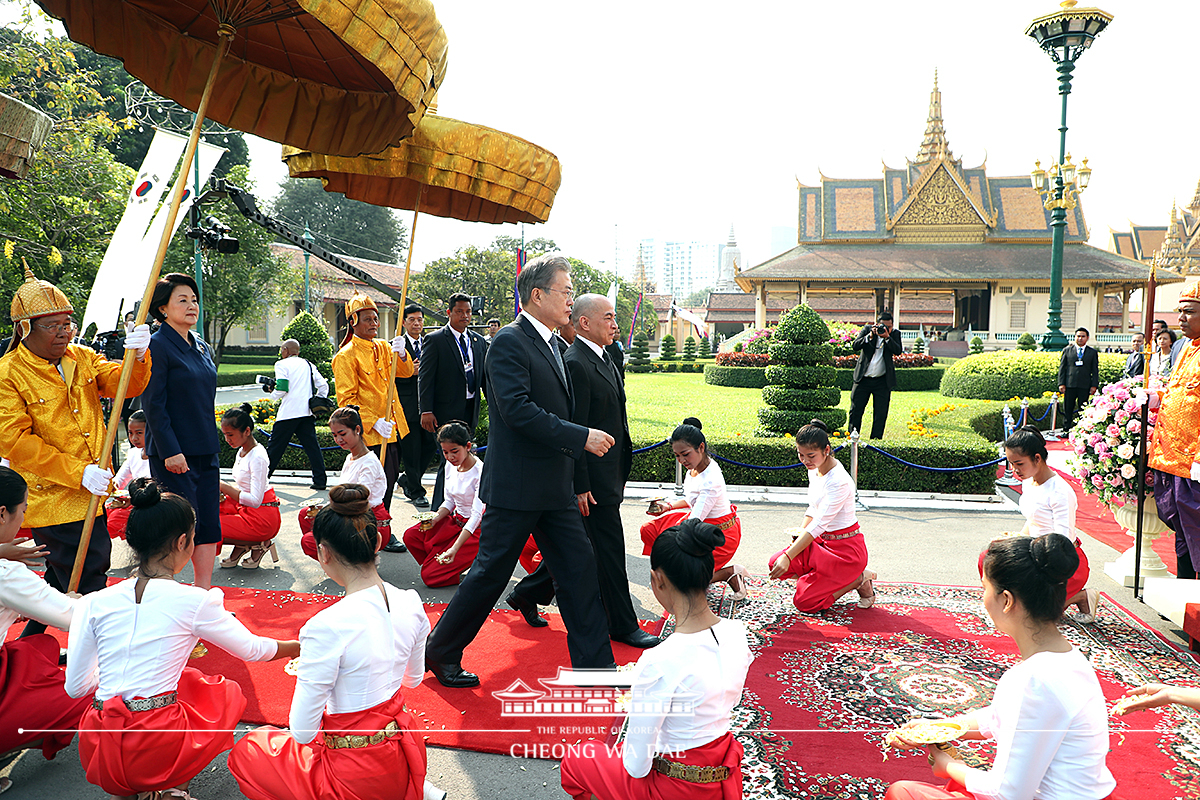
<point x="22" y="131"/>
<point x="350" y="76"/>
<point x="449" y="169"/>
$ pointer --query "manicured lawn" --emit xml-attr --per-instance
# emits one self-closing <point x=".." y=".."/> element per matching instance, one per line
<point x="657" y="403"/>
<point x="266" y="367"/>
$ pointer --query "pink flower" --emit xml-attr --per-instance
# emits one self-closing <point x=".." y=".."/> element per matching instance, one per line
<point x="1080" y="449"/>
<point x="1131" y="406"/>
<point x="1097" y="481"/>
<point x="1095" y="439"/>
<point x="1134" y="426"/>
<point x="1084" y="473"/>
<point x="1122" y="417"/>
<point x="1113" y="430"/>
<point x="1114" y="480"/>
<point x="1121" y="393"/>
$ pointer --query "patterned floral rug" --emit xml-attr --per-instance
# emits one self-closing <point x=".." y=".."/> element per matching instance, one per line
<point x="825" y="688"/>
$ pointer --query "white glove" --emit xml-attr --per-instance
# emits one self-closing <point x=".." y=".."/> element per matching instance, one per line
<point x="383" y="428"/>
<point x="1141" y="396"/>
<point x="1195" y="471"/>
<point x="398" y="347"/>
<point x="95" y="480"/>
<point x="138" y="339"/>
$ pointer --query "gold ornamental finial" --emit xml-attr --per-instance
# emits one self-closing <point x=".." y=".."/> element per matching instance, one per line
<point x="1068" y="3"/>
<point x="1172" y="255"/>
<point x="935" y="143"/>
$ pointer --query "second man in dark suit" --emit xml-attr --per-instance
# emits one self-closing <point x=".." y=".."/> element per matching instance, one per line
<point x="874" y="374"/>
<point x="451" y="379"/>
<point x="1078" y="375"/>
<point x="417" y="447"/>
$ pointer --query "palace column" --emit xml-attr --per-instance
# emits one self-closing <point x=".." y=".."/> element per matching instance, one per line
<point x="760" y="306"/>
<point x="1125" y="310"/>
<point x="804" y="292"/>
<point x="896" y="304"/>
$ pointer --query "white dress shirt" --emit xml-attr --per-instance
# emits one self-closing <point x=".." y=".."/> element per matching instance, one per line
<point x="876" y="368"/>
<point x="704" y="671"/>
<point x="542" y="330"/>
<point x="357" y="653"/>
<point x="250" y="475"/>
<point x="1050" y="507"/>
<point x="367" y="471"/>
<point x="469" y="359"/>
<point x="1050" y="724"/>
<point x="831" y="500"/>
<point x="705" y="493"/>
<point x="121" y="647"/>
<point x="24" y="594"/>
<point x="133" y="468"/>
<point x="462" y="494"/>
<point x="295" y="370"/>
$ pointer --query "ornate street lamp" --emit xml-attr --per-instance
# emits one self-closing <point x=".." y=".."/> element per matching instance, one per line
<point x="1064" y="35"/>
<point x="309" y="238"/>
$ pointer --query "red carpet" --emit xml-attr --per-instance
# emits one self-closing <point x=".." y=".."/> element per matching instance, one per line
<point x="824" y="689"/>
<point x="506" y="650"/>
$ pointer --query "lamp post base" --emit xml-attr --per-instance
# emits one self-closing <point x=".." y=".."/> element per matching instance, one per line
<point x="1054" y="341"/>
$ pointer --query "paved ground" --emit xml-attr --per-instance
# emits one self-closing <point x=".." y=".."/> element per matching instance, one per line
<point x="930" y="546"/>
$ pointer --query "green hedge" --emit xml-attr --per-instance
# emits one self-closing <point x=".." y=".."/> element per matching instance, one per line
<point x="239" y="358"/>
<point x="741" y="377"/>
<point x="790" y="398"/>
<point x="875" y="471"/>
<point x="908" y="379"/>
<point x="242" y="377"/>
<point x="676" y="366"/>
<point x="807" y="377"/>
<point x="776" y="419"/>
<point x="800" y="354"/>
<point x="1004" y="374"/>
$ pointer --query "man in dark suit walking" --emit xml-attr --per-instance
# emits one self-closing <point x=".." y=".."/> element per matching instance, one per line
<point x="416" y="448"/>
<point x="599" y="391"/>
<point x="527" y="482"/>
<point x="874" y="374"/>
<point x="1078" y="375"/>
<point x="1135" y="363"/>
<point x="451" y="378"/>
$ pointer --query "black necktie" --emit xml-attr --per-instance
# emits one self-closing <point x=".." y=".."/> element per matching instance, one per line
<point x="416" y="346"/>
<point x="467" y="366"/>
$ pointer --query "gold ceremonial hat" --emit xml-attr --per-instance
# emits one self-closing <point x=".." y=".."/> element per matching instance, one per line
<point x="37" y="298"/>
<point x="357" y="303"/>
<point x="1191" y="293"/>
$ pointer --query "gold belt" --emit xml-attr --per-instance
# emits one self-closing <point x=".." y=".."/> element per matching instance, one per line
<point x="691" y="773"/>
<point x="359" y="740"/>
<point x="142" y="703"/>
<point x="270" y="503"/>
<point x="727" y="524"/>
<point x="840" y="535"/>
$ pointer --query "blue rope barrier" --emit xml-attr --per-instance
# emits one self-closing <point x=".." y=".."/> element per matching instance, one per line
<point x="650" y="447"/>
<point x="760" y="466"/>
<point x="934" y="469"/>
<point x="1045" y="413"/>
<point x="267" y="434"/>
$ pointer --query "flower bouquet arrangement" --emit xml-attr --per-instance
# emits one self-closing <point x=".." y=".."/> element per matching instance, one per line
<point x="1105" y="443"/>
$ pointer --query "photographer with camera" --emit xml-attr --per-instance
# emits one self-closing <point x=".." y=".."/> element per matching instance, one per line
<point x="295" y="383"/>
<point x="874" y="374"/>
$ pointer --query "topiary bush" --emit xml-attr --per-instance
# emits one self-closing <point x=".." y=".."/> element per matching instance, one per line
<point x="704" y="348"/>
<point x="1005" y="374"/>
<point x="976" y="345"/>
<point x="918" y="345"/>
<point x="666" y="348"/>
<point x="799" y="350"/>
<point x="639" y="353"/>
<point x="314" y="342"/>
<point x="741" y="377"/>
<point x="1026" y="342"/>
<point x="689" y="348"/>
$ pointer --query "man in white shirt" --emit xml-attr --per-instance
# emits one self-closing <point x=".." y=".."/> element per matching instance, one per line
<point x="294" y="378"/>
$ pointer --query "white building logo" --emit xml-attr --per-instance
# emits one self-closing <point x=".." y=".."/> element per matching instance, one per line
<point x="582" y="692"/>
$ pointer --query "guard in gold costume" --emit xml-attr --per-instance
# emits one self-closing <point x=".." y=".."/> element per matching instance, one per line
<point x="362" y="373"/>
<point x="1175" y="448"/>
<point x="52" y="426"/>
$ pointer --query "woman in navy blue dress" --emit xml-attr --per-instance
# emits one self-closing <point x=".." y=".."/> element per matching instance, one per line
<point x="181" y="429"/>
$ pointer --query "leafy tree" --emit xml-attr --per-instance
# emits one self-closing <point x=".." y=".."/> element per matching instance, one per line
<point x="697" y="298"/>
<point x="689" y="349"/>
<point x="705" y="348"/>
<point x="639" y="354"/>
<point x="238" y="288"/>
<point x="486" y="273"/>
<point x="345" y="226"/>
<point x="666" y="348"/>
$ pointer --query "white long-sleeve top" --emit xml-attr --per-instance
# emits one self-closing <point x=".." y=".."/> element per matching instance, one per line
<point x="367" y="471"/>
<point x="1051" y="730"/>
<point x="831" y="500"/>
<point x="250" y="475"/>
<point x="118" y="646"/>
<point x="24" y="594"/>
<point x="1050" y="507"/>
<point x="134" y="467"/>
<point x="705" y="493"/>
<point x="462" y="494"/>
<point x="356" y="654"/>
<point x="299" y="375"/>
<point x="702" y="671"/>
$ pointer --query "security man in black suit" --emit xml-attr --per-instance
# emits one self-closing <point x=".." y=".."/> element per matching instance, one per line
<point x="416" y="449"/>
<point x="450" y="379"/>
<point x="1135" y="363"/>
<point x="599" y="390"/>
<point x="874" y="374"/>
<point x="1078" y="375"/>
<point x="528" y="483"/>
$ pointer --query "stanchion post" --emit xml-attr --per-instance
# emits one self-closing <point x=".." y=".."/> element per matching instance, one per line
<point x="859" y="505"/>
<point x="1024" y="412"/>
<point x="678" y="479"/>
<point x="1052" y="435"/>
<point x="1008" y="479"/>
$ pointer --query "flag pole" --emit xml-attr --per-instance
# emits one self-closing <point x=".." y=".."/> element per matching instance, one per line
<point x="1143" y="456"/>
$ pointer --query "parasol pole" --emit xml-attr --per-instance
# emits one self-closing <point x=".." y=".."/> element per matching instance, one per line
<point x="226" y="33"/>
<point x="1143" y="456"/>
<point x="412" y="235"/>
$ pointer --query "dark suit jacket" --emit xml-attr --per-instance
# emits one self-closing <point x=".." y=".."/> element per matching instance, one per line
<point x="532" y="445"/>
<point x="600" y="403"/>
<point x="442" y="378"/>
<point x="406" y="388"/>
<point x="180" y="397"/>
<point x="1084" y="377"/>
<point x="618" y="357"/>
<point x="864" y="345"/>
<point x="1135" y="365"/>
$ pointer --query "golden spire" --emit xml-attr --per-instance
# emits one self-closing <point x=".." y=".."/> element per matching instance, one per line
<point x="1171" y="255"/>
<point x="934" y="144"/>
<point x="1195" y="206"/>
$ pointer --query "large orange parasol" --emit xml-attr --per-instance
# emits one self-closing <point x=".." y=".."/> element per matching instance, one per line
<point x="351" y="76"/>
<point x="22" y="131"/>
<point x="449" y="169"/>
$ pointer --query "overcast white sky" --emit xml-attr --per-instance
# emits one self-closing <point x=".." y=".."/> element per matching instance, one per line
<point x="674" y="119"/>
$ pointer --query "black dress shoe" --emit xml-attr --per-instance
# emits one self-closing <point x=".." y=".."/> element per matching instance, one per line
<point x="452" y="675"/>
<point x="394" y="545"/>
<point x="320" y="488"/>
<point x="420" y="502"/>
<point x="638" y="638"/>
<point x="528" y="610"/>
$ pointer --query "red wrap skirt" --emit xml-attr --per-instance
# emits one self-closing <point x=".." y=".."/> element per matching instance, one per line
<point x="269" y="764"/>
<point x="599" y="771"/>
<point x="116" y="517"/>
<point x="729" y="524"/>
<point x="825" y="567"/>
<point x="32" y="697"/>
<point x="426" y="546"/>
<point x="918" y="790"/>
<point x="126" y="752"/>
<point x="308" y="542"/>
<point x="1076" y="583"/>
<point x="530" y="557"/>
<point x="245" y="525"/>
